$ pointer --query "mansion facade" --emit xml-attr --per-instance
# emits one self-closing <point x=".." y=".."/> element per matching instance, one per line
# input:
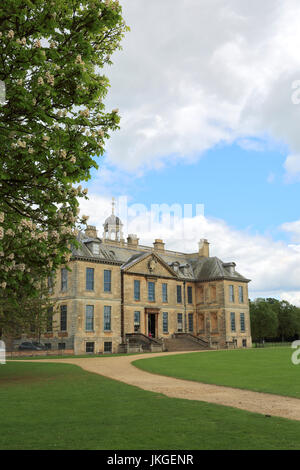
<point x="115" y="290"/>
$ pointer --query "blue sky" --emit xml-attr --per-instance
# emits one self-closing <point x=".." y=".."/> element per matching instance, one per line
<point x="247" y="188"/>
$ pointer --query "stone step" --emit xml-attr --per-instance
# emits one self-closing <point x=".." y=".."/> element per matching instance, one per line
<point x="183" y="344"/>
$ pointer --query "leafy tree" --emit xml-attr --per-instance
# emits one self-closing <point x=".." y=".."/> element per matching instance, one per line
<point x="264" y="321"/>
<point x="53" y="125"/>
<point x="26" y="315"/>
<point x="288" y="318"/>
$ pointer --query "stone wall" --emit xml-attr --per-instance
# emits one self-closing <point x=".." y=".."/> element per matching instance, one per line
<point x="211" y="306"/>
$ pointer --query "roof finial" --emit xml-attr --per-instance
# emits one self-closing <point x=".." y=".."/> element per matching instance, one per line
<point x="113" y="205"/>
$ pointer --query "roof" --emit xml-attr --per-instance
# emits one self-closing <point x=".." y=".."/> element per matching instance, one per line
<point x="185" y="266"/>
<point x="213" y="268"/>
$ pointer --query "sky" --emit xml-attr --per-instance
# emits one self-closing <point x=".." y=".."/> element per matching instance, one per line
<point x="209" y="97"/>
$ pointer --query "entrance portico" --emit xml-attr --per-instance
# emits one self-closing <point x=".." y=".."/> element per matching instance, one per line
<point x="151" y="321"/>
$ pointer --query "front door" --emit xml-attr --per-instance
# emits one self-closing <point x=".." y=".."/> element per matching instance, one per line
<point x="152" y="324"/>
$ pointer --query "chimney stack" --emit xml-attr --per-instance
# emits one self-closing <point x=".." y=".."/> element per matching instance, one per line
<point x="159" y="245"/>
<point x="91" y="231"/>
<point x="204" y="248"/>
<point x="132" y="241"/>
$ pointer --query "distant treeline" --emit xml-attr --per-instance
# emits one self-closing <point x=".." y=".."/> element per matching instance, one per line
<point x="275" y="320"/>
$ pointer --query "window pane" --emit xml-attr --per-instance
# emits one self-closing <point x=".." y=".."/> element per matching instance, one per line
<point x="151" y="291"/>
<point x="64" y="279"/>
<point x="107" y="346"/>
<point x="136" y="290"/>
<point x="232" y="321"/>
<point x="231" y="293"/>
<point x="179" y="322"/>
<point x="50" y="284"/>
<point x="241" y="294"/>
<point x="107" y="280"/>
<point x="50" y="320"/>
<point x="165" y="322"/>
<point x="191" y="322"/>
<point x="137" y="321"/>
<point x="179" y="296"/>
<point x="190" y="294"/>
<point x="165" y="292"/>
<point x="89" y="318"/>
<point x="242" y="319"/>
<point x="63" y="318"/>
<point x="107" y="318"/>
<point x="89" y="347"/>
<point x="89" y="278"/>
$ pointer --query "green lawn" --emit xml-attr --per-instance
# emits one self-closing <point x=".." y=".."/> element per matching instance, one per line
<point x="264" y="370"/>
<point x="60" y="406"/>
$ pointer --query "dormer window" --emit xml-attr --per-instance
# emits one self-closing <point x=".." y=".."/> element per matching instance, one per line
<point x="96" y="248"/>
<point x="184" y="268"/>
<point x="230" y="267"/>
<point x="175" y="266"/>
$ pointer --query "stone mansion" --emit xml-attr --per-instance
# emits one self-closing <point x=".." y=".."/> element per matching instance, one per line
<point x="119" y="293"/>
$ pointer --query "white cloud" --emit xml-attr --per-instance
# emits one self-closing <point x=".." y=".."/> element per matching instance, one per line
<point x="292" y="166"/>
<point x="251" y="144"/>
<point x="293" y="228"/>
<point x="273" y="266"/>
<point x="194" y="73"/>
<point x="114" y="180"/>
<point x="292" y="297"/>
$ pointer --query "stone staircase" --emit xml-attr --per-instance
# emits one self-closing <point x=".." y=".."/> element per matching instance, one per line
<point x="138" y="342"/>
<point x="185" y="342"/>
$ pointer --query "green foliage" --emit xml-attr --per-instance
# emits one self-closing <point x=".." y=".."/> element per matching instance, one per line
<point x="23" y="314"/>
<point x="53" y="126"/>
<point x="264" y="320"/>
<point x="265" y="325"/>
<point x="288" y="318"/>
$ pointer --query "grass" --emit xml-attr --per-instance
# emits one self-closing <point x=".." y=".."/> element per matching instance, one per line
<point x="267" y="344"/>
<point x="60" y="406"/>
<point x="262" y="370"/>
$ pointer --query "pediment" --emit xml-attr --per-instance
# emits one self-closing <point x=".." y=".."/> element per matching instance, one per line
<point x="149" y="264"/>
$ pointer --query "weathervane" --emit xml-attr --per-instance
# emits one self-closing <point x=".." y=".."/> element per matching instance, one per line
<point x="113" y="205"/>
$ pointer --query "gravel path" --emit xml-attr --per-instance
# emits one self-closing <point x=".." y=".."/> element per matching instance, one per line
<point x="120" y="368"/>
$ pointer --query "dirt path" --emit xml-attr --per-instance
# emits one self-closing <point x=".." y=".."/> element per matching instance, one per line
<point x="120" y="368"/>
